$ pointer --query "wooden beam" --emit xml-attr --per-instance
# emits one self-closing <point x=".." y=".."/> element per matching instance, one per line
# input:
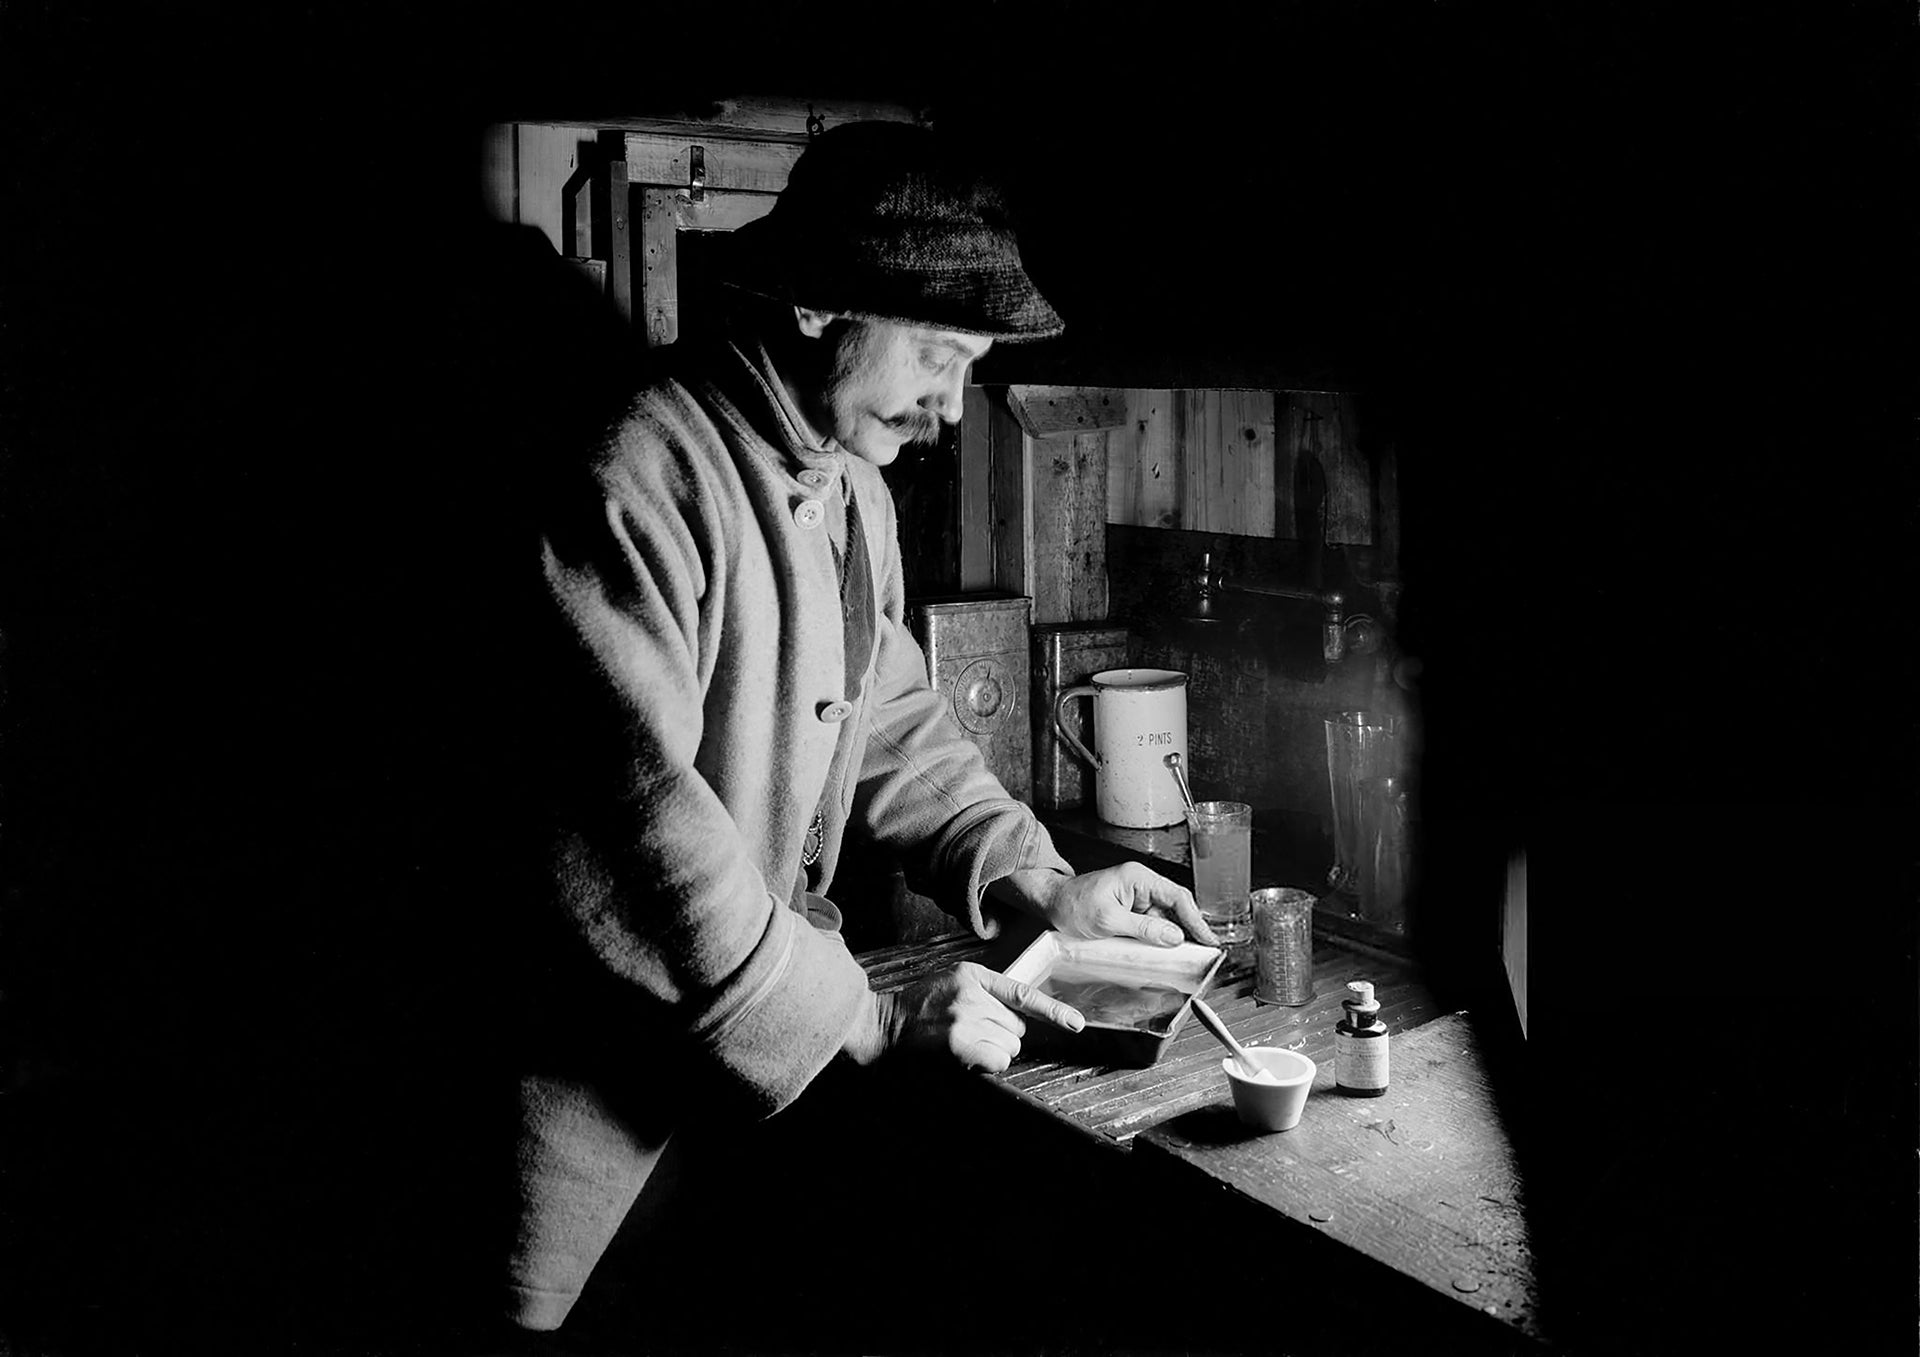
<point x="658" y="299"/>
<point x="976" y="493"/>
<point x="746" y="166"/>
<point x="755" y="118"/>
<point x="1067" y="507"/>
<point x="577" y="221"/>
<point x="1012" y="526"/>
<point x="620" y="240"/>
<point x="720" y="211"/>
<point x="1047" y="410"/>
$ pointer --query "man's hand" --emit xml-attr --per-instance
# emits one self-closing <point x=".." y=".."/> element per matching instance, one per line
<point x="971" y="1013"/>
<point x="1128" y="901"/>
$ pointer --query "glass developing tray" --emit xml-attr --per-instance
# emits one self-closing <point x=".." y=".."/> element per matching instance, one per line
<point x="1134" y="995"/>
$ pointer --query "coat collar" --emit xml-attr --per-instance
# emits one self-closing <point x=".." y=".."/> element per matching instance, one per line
<point x="753" y="382"/>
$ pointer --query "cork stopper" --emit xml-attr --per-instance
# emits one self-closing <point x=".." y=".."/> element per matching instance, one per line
<point x="1360" y="998"/>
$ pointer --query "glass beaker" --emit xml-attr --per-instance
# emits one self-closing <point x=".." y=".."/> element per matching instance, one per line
<point x="1361" y="746"/>
<point x="1282" y="945"/>
<point x="1220" y="851"/>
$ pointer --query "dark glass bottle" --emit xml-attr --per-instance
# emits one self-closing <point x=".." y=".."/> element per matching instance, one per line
<point x="1360" y="1044"/>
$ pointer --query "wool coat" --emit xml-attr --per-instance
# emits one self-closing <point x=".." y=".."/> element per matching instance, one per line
<point x="710" y="712"/>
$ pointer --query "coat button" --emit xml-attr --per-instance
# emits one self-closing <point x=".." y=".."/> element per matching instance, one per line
<point x="813" y="478"/>
<point x="832" y="712"/>
<point x="809" y="512"/>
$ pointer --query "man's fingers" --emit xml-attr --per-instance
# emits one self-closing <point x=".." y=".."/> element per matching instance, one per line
<point x="1024" y="998"/>
<point x="984" y="1055"/>
<point x="1000" y="1017"/>
<point x="1124" y="923"/>
<point x="988" y="1038"/>
<point x="1164" y="894"/>
<point x="1188" y="913"/>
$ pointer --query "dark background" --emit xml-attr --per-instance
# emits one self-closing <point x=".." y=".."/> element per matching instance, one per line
<point x="1636" y="287"/>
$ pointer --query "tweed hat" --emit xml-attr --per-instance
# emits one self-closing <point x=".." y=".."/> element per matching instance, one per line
<point x="885" y="221"/>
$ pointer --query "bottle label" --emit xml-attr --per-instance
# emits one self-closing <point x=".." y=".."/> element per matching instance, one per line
<point x="1359" y="1062"/>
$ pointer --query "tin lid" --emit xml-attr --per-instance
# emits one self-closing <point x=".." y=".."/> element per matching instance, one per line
<point x="1090" y="633"/>
<point x="970" y="603"/>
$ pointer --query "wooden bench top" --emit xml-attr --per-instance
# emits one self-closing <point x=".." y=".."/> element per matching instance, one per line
<point x="1422" y="1179"/>
<point x="1113" y="1104"/>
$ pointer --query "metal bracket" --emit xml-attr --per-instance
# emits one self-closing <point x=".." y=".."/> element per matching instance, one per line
<point x="697" y="174"/>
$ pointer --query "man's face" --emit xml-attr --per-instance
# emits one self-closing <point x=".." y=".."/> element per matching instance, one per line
<point x="887" y="385"/>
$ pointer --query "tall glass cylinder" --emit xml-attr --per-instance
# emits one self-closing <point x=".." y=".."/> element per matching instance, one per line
<point x="1386" y="853"/>
<point x="1362" y="747"/>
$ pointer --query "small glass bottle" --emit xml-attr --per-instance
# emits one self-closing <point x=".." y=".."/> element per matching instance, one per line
<point x="1360" y="1044"/>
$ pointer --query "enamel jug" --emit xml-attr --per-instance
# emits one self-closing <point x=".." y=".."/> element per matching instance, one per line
<point x="1139" y="717"/>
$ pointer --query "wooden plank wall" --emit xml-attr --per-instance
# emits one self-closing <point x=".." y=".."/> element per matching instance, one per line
<point x="1225" y="440"/>
<point x="1242" y="463"/>
<point x="1145" y="476"/>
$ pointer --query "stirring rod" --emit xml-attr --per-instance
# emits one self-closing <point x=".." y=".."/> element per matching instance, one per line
<point x="1180" y="778"/>
<point x="1211" y="1021"/>
<point x="1200" y="843"/>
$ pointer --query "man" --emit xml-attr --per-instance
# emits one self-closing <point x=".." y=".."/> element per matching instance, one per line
<point x="739" y="702"/>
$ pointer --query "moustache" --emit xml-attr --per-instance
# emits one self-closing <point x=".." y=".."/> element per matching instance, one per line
<point x="916" y="427"/>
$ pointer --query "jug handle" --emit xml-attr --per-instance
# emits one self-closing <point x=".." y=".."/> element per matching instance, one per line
<point x="1073" y="741"/>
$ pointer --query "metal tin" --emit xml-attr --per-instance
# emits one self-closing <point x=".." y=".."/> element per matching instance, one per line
<point x="976" y="648"/>
<point x="1065" y="654"/>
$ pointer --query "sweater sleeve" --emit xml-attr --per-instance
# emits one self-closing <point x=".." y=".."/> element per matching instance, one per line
<point x="925" y="791"/>
<point x="651" y="871"/>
